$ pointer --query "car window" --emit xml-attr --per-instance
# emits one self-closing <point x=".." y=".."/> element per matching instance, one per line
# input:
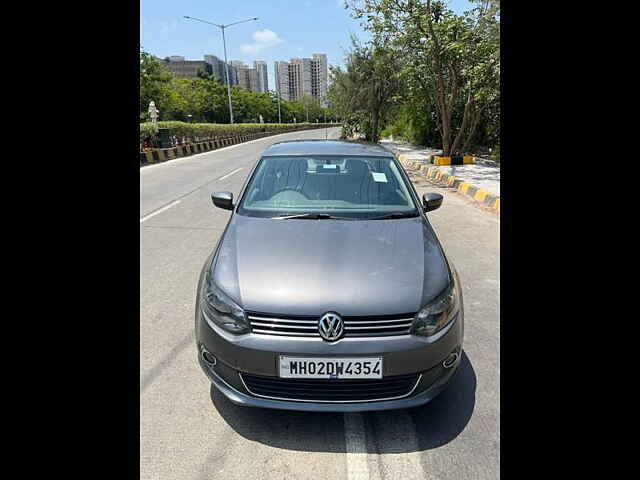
<point x="355" y="187"/>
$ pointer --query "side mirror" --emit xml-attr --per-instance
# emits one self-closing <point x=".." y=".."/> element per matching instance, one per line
<point x="223" y="200"/>
<point x="431" y="201"/>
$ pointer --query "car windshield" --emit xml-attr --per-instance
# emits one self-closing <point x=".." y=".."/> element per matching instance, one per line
<point x="336" y="186"/>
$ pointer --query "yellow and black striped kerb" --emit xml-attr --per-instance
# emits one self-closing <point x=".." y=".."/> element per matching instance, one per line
<point x="162" y="155"/>
<point x="434" y="174"/>
<point x="456" y="160"/>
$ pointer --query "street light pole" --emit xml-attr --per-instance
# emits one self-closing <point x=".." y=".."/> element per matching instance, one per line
<point x="326" y="130"/>
<point x="279" y="114"/>
<point x="226" y="69"/>
<point x="226" y="64"/>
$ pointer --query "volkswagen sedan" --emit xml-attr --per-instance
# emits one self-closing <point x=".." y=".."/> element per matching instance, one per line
<point x="329" y="290"/>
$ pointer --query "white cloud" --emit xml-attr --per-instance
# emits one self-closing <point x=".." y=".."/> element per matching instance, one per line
<point x="262" y="39"/>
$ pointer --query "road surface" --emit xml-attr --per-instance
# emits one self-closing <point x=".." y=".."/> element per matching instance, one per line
<point x="189" y="431"/>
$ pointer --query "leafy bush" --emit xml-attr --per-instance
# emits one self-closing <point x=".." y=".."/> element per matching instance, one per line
<point x="212" y="131"/>
<point x="495" y="154"/>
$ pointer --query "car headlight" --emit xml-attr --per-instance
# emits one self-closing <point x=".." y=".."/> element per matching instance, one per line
<point x="218" y="308"/>
<point x="437" y="314"/>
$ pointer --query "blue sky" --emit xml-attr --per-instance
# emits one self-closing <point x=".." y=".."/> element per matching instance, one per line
<point x="285" y="29"/>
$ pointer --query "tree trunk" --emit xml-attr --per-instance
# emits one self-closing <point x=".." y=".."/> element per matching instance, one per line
<point x="465" y="120"/>
<point x="374" y="124"/>
<point x="474" y="124"/>
<point x="446" y="138"/>
<point x="445" y="119"/>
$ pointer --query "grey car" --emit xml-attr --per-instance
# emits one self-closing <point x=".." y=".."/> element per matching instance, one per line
<point x="328" y="290"/>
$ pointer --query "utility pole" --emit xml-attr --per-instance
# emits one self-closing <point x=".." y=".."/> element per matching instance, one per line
<point x="226" y="63"/>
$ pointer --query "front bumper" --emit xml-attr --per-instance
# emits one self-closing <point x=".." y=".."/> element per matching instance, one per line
<point x="257" y="355"/>
<point x="246" y="400"/>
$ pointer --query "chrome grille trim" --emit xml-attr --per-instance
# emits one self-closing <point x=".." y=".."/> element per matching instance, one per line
<point x="260" y="324"/>
<point x="358" y="322"/>
<point x="289" y="334"/>
<point x="379" y="326"/>
<point x="280" y="320"/>
<point x="307" y="326"/>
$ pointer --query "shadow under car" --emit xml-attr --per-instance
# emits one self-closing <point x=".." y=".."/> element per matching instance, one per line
<point x="436" y="423"/>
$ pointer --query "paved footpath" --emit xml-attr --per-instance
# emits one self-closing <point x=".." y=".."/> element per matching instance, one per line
<point x="188" y="431"/>
<point x="484" y="174"/>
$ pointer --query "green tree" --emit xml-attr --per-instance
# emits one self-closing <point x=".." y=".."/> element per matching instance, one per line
<point x="154" y="86"/>
<point x="205" y="99"/>
<point x="363" y="93"/>
<point x="451" y="60"/>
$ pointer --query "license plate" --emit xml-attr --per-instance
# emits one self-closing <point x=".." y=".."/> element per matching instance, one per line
<point x="330" y="367"/>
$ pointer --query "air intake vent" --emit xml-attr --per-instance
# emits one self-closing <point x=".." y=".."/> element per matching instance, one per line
<point x="313" y="390"/>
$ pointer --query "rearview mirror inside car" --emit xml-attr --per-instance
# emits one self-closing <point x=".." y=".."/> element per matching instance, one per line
<point x="431" y="201"/>
<point x="223" y="200"/>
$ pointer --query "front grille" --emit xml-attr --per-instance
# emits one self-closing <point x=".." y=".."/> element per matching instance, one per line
<point x="307" y="326"/>
<point x="320" y="390"/>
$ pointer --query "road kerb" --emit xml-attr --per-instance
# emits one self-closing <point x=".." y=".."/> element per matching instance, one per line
<point x="160" y="155"/>
<point x="465" y="188"/>
<point x="464" y="160"/>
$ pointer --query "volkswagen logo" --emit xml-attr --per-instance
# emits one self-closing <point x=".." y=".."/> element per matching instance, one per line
<point x="331" y="326"/>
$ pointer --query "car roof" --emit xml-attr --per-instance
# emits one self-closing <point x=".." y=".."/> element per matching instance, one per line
<point x="326" y="147"/>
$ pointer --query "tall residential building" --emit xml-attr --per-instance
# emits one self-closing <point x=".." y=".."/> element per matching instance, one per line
<point x="187" y="68"/>
<point x="319" y="77"/>
<point x="233" y="75"/>
<point x="253" y="79"/>
<point x="281" y="77"/>
<point x="218" y="70"/>
<point x="217" y="67"/>
<point x="263" y="80"/>
<point x="302" y="76"/>
<point x="247" y="77"/>
<point x="300" y="70"/>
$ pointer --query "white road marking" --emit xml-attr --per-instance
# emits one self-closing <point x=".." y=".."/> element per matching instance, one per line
<point x="229" y="174"/>
<point x="179" y="200"/>
<point x="397" y="432"/>
<point x="355" y="441"/>
<point x="167" y="207"/>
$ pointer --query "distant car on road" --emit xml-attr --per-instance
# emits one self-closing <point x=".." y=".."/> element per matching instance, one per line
<point x="328" y="290"/>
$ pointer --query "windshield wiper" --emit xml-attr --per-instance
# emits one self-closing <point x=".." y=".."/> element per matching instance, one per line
<point x="395" y="215"/>
<point x="309" y="216"/>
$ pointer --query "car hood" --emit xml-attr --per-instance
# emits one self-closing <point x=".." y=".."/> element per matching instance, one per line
<point x="309" y="267"/>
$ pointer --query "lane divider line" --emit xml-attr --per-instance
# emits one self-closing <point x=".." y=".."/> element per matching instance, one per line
<point x="206" y="183"/>
<point x="229" y="174"/>
<point x="160" y="210"/>
<point x="175" y="202"/>
<point x="356" y="447"/>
